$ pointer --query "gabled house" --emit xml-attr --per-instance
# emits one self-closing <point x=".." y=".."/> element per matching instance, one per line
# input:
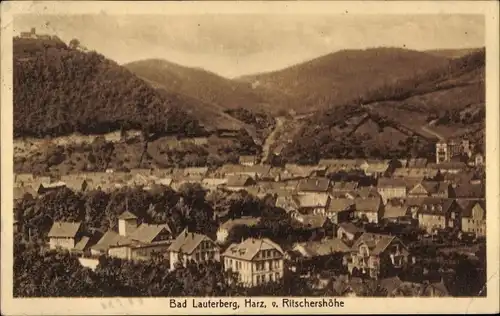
<point x="142" y="243"/>
<point x="348" y="232"/>
<point x="430" y="189"/>
<point x="287" y="203"/>
<point x="318" y="253"/>
<point x="313" y="203"/>
<point x="436" y="214"/>
<point x="257" y="261"/>
<point x="345" y="187"/>
<point x="468" y="191"/>
<point x="375" y="168"/>
<point x="374" y="255"/>
<point x="226" y="227"/>
<point x="196" y="171"/>
<point x="239" y="182"/>
<point x="213" y="183"/>
<point x="189" y="246"/>
<point x="318" y="225"/>
<point x="77" y="185"/>
<point x="391" y="188"/>
<point x="65" y="235"/>
<point x="103" y="245"/>
<point x="396" y="211"/>
<point x="340" y="210"/>
<point x="369" y="209"/>
<point x="415" y="173"/>
<point x="21" y="192"/>
<point x="313" y="186"/>
<point x="248" y="160"/>
<point x="448" y="167"/>
<point x="473" y="214"/>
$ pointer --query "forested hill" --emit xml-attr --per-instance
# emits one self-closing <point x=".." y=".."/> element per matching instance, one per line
<point x="449" y="100"/>
<point x="343" y="76"/>
<point x="206" y="86"/>
<point x="59" y="90"/>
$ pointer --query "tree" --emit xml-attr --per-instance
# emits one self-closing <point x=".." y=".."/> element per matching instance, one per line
<point x="74" y="43"/>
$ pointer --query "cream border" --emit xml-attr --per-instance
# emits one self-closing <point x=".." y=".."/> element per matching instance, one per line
<point x="159" y="306"/>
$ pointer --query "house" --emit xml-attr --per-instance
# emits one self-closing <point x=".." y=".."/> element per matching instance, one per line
<point x="238" y="182"/>
<point x="369" y="209"/>
<point x="415" y="173"/>
<point x="313" y="186"/>
<point x="396" y="211"/>
<point x="318" y="225"/>
<point x="24" y="179"/>
<point x="65" y="235"/>
<point x="299" y="171"/>
<point x="375" y="168"/>
<point x="340" y="210"/>
<point x="213" y="183"/>
<point x="49" y="187"/>
<point x="77" y="185"/>
<point x="226" y="227"/>
<point x="391" y="188"/>
<point x="142" y="243"/>
<point x="103" y="245"/>
<point x="195" y="171"/>
<point x="287" y="203"/>
<point x="344" y="187"/>
<point x="318" y="253"/>
<point x="473" y="214"/>
<point x="478" y="160"/>
<point x="21" y="192"/>
<point x="189" y="246"/>
<point x="313" y="203"/>
<point x="374" y="255"/>
<point x="248" y="160"/>
<point x="468" y="191"/>
<point x="255" y="171"/>
<point x="438" y="214"/>
<point x="257" y="261"/>
<point x="349" y="232"/>
<point x="363" y="192"/>
<point x="336" y="165"/>
<point x="417" y="163"/>
<point x="321" y="248"/>
<point x="448" y="167"/>
<point x="430" y="188"/>
<point x="163" y="181"/>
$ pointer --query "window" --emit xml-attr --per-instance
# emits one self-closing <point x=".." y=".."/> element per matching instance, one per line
<point x="198" y="257"/>
<point x="258" y="279"/>
<point x="271" y="277"/>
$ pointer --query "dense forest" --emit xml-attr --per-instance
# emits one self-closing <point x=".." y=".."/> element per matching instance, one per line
<point x="60" y="90"/>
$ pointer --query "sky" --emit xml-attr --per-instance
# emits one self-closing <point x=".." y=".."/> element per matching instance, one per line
<point x="237" y="44"/>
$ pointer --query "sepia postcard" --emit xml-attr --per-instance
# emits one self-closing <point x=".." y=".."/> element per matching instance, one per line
<point x="246" y="157"/>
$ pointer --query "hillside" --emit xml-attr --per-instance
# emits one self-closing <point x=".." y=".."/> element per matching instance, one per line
<point x="344" y="76"/>
<point x="452" y="53"/>
<point x="205" y="86"/>
<point x="60" y="90"/>
<point x="446" y="102"/>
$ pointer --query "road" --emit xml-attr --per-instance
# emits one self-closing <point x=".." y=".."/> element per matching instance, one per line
<point x="430" y="131"/>
<point x="271" y="138"/>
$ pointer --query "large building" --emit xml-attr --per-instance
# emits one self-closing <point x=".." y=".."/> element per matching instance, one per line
<point x="193" y="247"/>
<point x="257" y="261"/>
<point x="445" y="151"/>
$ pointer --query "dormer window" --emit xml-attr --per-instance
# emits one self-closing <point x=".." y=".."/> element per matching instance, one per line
<point x="439" y="208"/>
